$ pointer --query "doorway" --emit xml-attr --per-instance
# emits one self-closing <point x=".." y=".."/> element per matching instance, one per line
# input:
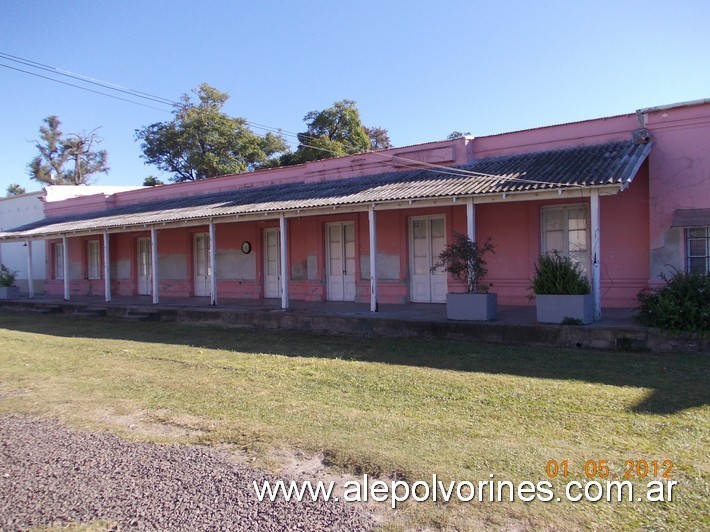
<point x="272" y="263"/>
<point x="340" y="260"/>
<point x="145" y="267"/>
<point x="427" y="238"/>
<point x="203" y="273"/>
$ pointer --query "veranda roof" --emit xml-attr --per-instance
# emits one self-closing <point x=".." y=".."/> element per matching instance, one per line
<point x="613" y="163"/>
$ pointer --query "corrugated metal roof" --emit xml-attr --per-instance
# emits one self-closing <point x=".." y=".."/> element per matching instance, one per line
<point x="585" y="166"/>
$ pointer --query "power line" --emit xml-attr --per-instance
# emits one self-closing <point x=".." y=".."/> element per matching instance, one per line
<point x="160" y="99"/>
<point x="86" y="79"/>
<point x="406" y="162"/>
<point x="82" y="88"/>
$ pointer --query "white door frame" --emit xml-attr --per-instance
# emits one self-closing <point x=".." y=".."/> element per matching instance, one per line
<point x="340" y="283"/>
<point x="272" y="263"/>
<point x="202" y="273"/>
<point x="427" y="286"/>
<point x="144" y="264"/>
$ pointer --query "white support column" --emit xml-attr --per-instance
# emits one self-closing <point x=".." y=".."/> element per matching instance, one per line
<point x="107" y="268"/>
<point x="284" y="262"/>
<point x="213" y="266"/>
<point x="596" y="254"/>
<point x="65" y="266"/>
<point x="471" y="219"/>
<point x="30" y="277"/>
<point x="154" y="263"/>
<point x="373" y="259"/>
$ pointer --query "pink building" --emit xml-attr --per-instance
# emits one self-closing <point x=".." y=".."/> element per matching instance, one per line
<point x="628" y="197"/>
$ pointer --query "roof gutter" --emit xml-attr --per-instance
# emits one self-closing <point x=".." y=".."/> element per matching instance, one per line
<point x="642" y="114"/>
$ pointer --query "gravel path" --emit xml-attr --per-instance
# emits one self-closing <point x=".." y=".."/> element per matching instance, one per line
<point x="52" y="475"/>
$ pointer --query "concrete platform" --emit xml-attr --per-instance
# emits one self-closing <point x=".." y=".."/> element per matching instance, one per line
<point x="617" y="329"/>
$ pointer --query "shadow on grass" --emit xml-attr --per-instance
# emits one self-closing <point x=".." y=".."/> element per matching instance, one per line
<point x="677" y="381"/>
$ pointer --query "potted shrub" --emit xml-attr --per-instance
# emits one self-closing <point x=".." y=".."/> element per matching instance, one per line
<point x="464" y="259"/>
<point x="8" y="290"/>
<point x="562" y="291"/>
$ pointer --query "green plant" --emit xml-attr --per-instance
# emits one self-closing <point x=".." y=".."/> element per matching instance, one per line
<point x="556" y="274"/>
<point x="681" y="304"/>
<point x="7" y="276"/>
<point x="571" y="321"/>
<point x="464" y="259"/>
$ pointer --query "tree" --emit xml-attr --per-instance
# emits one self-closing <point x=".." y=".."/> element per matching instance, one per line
<point x="15" y="190"/>
<point x="334" y="132"/>
<point x="457" y="135"/>
<point x="379" y="138"/>
<point x="152" y="181"/>
<point x="465" y="259"/>
<point x="201" y="141"/>
<point x="57" y="152"/>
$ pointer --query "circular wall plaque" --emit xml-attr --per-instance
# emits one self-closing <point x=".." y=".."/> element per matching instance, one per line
<point x="246" y="247"/>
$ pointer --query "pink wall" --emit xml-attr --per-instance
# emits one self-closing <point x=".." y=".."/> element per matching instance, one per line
<point x="679" y="166"/>
<point x="514" y="228"/>
<point x="625" y="243"/>
<point x="515" y="231"/>
<point x="637" y="242"/>
<point x="573" y="134"/>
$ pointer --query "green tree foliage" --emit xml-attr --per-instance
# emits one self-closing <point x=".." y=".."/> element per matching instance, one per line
<point x="335" y="132"/>
<point x="15" y="190"/>
<point x="465" y="259"/>
<point x="152" y="181"/>
<point x="457" y="135"/>
<point x="70" y="160"/>
<point x="379" y="138"/>
<point x="201" y="141"/>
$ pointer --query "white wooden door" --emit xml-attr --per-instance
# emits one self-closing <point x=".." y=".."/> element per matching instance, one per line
<point x="203" y="274"/>
<point x="427" y="240"/>
<point x="145" y="269"/>
<point x="340" y="258"/>
<point x="272" y="263"/>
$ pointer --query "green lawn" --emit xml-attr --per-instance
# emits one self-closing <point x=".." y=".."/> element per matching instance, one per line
<point x="386" y="407"/>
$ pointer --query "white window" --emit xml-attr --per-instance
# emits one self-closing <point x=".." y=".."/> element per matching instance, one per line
<point x="697" y="245"/>
<point x="58" y="260"/>
<point x="566" y="231"/>
<point x="93" y="259"/>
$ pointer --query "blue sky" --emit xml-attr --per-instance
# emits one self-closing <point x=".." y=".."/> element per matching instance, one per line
<point x="420" y="69"/>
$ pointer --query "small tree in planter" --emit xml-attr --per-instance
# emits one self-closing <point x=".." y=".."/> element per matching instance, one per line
<point x="8" y="290"/>
<point x="464" y="259"/>
<point x="562" y="290"/>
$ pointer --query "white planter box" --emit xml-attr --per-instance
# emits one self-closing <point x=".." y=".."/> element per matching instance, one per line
<point x="472" y="307"/>
<point x="555" y="308"/>
<point x="9" y="292"/>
